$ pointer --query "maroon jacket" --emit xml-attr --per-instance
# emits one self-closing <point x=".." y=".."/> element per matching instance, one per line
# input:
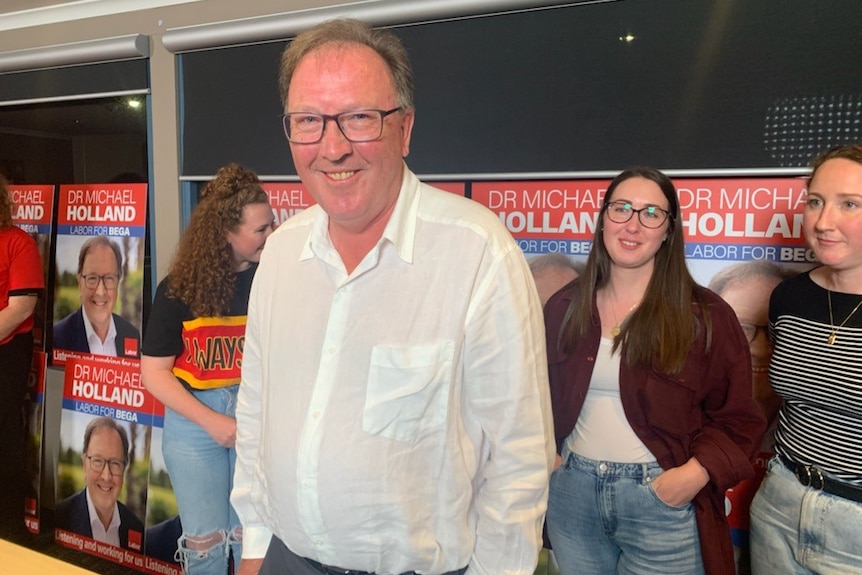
<point x="706" y="411"/>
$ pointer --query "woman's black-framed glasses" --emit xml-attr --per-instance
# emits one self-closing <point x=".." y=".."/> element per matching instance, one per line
<point x="620" y="212"/>
<point x="357" y="126"/>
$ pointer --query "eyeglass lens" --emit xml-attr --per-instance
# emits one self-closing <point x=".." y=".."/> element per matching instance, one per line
<point x="115" y="466"/>
<point x="357" y="126"/>
<point x="110" y="281"/>
<point x="750" y="330"/>
<point x="649" y="216"/>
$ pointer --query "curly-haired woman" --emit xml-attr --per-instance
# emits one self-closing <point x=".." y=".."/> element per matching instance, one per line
<point x="192" y="354"/>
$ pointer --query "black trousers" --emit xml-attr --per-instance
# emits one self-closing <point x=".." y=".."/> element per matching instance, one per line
<point x="15" y="360"/>
<point x="280" y="560"/>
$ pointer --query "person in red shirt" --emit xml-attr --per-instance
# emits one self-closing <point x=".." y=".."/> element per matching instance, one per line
<point x="21" y="282"/>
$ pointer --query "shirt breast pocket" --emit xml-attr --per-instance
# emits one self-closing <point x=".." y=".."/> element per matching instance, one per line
<point x="408" y="390"/>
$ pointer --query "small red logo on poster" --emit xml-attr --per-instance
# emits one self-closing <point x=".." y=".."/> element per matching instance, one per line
<point x="135" y="540"/>
<point x="130" y="347"/>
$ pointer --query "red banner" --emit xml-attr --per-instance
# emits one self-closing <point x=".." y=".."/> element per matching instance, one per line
<point x="722" y="218"/>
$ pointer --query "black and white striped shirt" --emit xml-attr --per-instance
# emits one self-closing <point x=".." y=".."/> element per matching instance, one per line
<point x="820" y="422"/>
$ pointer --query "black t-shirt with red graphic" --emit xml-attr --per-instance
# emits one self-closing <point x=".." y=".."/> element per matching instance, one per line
<point x="208" y="350"/>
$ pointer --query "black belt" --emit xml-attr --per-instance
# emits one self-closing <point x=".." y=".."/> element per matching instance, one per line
<point x="810" y="476"/>
<point x="330" y="570"/>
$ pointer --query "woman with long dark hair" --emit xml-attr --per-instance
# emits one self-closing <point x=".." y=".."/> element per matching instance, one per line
<point x="651" y="388"/>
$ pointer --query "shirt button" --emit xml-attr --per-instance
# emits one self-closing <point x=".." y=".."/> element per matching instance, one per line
<point x="316" y="415"/>
<point x="331" y="350"/>
<point x="318" y="541"/>
<point x="305" y="484"/>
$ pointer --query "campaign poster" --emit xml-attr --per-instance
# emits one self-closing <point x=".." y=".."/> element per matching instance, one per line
<point x="457" y="188"/>
<point x="104" y="455"/>
<point x="33" y="212"/>
<point x="98" y="292"/>
<point x="34" y="415"/>
<point x="546" y="216"/>
<point x="723" y="219"/>
<point x="287" y="199"/>
<point x="740" y="220"/>
<point x="162" y="526"/>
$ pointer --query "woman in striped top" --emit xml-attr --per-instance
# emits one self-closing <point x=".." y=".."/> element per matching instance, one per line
<point x="807" y="515"/>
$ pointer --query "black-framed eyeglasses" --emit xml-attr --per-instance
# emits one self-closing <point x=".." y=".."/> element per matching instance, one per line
<point x="115" y="466"/>
<point x="750" y="330"/>
<point x="357" y="126"/>
<point x="650" y="216"/>
<point x="92" y="281"/>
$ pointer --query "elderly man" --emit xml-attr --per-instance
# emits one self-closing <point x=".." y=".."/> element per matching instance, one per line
<point x="393" y="415"/>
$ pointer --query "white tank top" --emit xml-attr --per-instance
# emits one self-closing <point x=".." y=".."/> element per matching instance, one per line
<point x="602" y="432"/>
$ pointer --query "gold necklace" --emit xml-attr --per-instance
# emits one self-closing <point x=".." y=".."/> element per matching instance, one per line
<point x="834" y="335"/>
<point x="615" y="331"/>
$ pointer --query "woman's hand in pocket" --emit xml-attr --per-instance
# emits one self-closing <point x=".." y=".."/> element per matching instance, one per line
<point x="678" y="485"/>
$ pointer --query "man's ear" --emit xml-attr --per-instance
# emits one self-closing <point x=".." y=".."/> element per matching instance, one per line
<point x="407" y="119"/>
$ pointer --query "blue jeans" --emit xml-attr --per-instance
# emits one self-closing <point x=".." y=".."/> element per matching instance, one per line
<point x="201" y="472"/>
<point x="605" y="518"/>
<point x="800" y="530"/>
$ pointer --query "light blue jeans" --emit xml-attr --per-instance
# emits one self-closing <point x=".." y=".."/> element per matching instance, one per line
<point x="201" y="472"/>
<point x="798" y="530"/>
<point x="605" y="518"/>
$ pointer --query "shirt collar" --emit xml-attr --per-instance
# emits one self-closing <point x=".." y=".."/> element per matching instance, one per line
<point x="92" y="336"/>
<point x="95" y="523"/>
<point x="400" y="230"/>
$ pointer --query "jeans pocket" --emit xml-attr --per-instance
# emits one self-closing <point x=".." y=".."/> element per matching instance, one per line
<point x="665" y="504"/>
